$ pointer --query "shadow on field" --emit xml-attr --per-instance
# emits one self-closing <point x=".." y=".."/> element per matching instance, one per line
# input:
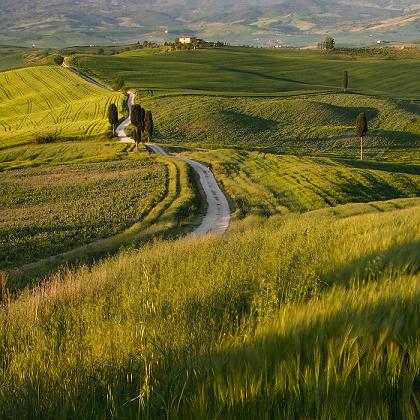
<point x="401" y="258"/>
<point x="239" y="120"/>
<point x="380" y="166"/>
<point x="265" y="76"/>
<point x="220" y="379"/>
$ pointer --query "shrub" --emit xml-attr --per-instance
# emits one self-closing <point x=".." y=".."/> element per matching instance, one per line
<point x="43" y="138"/>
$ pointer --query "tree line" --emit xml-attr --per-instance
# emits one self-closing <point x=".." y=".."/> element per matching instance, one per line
<point x="141" y="120"/>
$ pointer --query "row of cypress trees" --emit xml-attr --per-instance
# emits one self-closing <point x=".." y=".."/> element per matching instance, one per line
<point x="141" y="119"/>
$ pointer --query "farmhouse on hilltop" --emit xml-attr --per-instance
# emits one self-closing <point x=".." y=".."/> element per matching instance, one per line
<point x="186" y="40"/>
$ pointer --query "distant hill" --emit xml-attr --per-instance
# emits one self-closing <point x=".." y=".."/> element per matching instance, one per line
<point x="297" y="22"/>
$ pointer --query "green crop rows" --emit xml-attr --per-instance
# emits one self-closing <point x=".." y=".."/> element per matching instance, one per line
<point x="51" y="209"/>
<point x="249" y="71"/>
<point x="50" y="100"/>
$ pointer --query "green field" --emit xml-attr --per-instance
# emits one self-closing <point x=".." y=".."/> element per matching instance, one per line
<point x="325" y="325"/>
<point x="308" y="307"/>
<point x="49" y="99"/>
<point x="270" y="184"/>
<point x="20" y="157"/>
<point x="51" y="209"/>
<point x="10" y="58"/>
<point x="250" y="71"/>
<point x="308" y="125"/>
<point x="279" y="101"/>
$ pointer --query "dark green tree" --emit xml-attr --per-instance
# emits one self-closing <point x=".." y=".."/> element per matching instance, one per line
<point x="142" y="119"/>
<point x="59" y="60"/>
<point x="136" y="120"/>
<point x="137" y="136"/>
<point x="113" y="116"/>
<point x="329" y="43"/>
<point x="345" y="80"/>
<point x="101" y="51"/>
<point x="135" y="115"/>
<point x="361" y="130"/>
<point x="148" y="125"/>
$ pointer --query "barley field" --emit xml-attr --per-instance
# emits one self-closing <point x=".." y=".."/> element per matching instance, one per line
<point x="325" y="325"/>
<point x="50" y="100"/>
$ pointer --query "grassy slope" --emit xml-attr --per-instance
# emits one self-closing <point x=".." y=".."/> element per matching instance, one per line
<point x="247" y="71"/>
<point x="143" y="334"/>
<point x="312" y="125"/>
<point x="50" y="99"/>
<point x="323" y="124"/>
<point x="272" y="184"/>
<point x="63" y="152"/>
<point x="10" y="58"/>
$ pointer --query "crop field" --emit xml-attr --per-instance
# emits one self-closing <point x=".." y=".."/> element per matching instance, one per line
<point x="313" y="125"/>
<point x="325" y="325"/>
<point x="20" y="157"/>
<point x="50" y="100"/>
<point x="270" y="184"/>
<point x="51" y="209"/>
<point x="249" y="71"/>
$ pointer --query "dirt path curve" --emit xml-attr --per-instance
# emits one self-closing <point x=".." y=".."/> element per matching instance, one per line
<point x="217" y="217"/>
<point x="88" y="79"/>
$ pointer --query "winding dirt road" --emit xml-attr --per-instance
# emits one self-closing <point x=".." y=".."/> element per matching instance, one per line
<point x="217" y="217"/>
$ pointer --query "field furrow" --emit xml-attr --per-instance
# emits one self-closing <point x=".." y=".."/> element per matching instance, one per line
<point x="50" y="100"/>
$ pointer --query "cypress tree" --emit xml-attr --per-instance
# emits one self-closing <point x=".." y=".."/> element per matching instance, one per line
<point x="345" y="80"/>
<point x="148" y="127"/>
<point x="113" y="116"/>
<point x="135" y="115"/>
<point x="142" y="119"/>
<point x="361" y="130"/>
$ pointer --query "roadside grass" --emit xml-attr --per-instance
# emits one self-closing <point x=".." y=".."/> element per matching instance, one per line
<point x="324" y="325"/>
<point x="313" y="125"/>
<point x="50" y="100"/>
<point x="268" y="184"/>
<point x="240" y="71"/>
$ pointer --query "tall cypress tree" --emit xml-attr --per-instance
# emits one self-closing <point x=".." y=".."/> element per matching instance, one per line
<point x="345" y="80"/>
<point x="361" y="130"/>
<point x="113" y="116"/>
<point x="142" y="118"/>
<point x="136" y="120"/>
<point x="148" y="125"/>
<point x="135" y="115"/>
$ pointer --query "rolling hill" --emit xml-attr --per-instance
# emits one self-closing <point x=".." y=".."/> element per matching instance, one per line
<point x="241" y="21"/>
<point x="50" y="100"/>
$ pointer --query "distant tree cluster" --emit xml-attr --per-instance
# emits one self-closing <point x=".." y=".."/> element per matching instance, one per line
<point x="59" y="60"/>
<point x="328" y="44"/>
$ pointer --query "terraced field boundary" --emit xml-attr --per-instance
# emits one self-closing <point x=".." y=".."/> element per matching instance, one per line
<point x="166" y="215"/>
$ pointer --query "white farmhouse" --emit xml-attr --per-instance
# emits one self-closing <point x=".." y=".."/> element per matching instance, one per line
<point x="187" y="40"/>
